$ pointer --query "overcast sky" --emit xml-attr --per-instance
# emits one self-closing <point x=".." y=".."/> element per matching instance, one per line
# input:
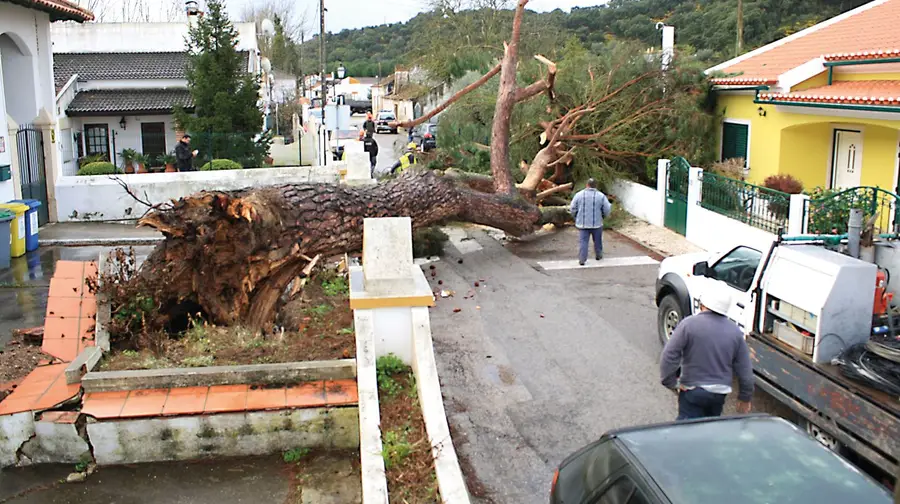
<point x="343" y="14"/>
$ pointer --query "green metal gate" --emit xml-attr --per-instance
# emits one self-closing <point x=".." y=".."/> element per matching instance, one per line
<point x="30" y="142"/>
<point x="677" y="175"/>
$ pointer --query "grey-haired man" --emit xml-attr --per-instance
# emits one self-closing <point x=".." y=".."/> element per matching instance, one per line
<point x="589" y="207"/>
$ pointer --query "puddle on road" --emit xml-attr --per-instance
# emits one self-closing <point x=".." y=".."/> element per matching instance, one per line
<point x="24" y="285"/>
<point x="499" y="375"/>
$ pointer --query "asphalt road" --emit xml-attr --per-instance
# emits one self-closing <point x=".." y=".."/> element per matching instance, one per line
<point x="389" y="146"/>
<point x="538" y="363"/>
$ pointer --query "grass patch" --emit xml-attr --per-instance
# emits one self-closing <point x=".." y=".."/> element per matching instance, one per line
<point x="408" y="462"/>
<point x="294" y="455"/>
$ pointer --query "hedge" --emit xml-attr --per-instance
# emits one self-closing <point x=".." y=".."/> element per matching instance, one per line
<point x="221" y="164"/>
<point x="97" y="168"/>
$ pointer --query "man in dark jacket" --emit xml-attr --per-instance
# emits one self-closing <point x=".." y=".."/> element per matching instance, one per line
<point x="371" y="146"/>
<point x="183" y="155"/>
<point x="710" y="350"/>
<point x="369" y="125"/>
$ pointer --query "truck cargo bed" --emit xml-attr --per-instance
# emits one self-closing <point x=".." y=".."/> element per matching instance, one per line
<point x="862" y="418"/>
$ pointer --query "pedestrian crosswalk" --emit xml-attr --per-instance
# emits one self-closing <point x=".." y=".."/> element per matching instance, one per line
<point x="609" y="262"/>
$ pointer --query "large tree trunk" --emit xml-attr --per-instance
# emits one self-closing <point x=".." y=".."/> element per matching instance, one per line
<point x="234" y="253"/>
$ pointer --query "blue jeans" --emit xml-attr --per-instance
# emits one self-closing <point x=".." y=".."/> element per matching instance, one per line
<point x="585" y="235"/>
<point x="699" y="403"/>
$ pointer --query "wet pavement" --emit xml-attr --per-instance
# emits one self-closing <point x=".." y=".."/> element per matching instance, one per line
<point x="329" y="478"/>
<point x="24" y="286"/>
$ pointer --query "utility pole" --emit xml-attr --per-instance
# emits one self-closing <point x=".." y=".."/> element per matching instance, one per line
<point x="322" y="76"/>
<point x="740" y="28"/>
<point x="300" y="69"/>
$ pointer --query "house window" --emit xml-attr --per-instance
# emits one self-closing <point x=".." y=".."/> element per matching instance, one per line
<point x="734" y="141"/>
<point x="153" y="138"/>
<point x="97" y="139"/>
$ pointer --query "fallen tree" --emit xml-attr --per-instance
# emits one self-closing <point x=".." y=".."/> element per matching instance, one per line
<point x="232" y="254"/>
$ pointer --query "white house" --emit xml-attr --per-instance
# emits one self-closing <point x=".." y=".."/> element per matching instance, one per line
<point x="356" y="88"/>
<point x="113" y="96"/>
<point x="27" y="98"/>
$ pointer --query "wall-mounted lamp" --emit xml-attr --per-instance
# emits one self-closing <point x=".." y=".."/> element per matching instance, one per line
<point x="761" y="111"/>
<point x="122" y="122"/>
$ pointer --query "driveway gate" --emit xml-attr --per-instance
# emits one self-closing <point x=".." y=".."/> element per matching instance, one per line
<point x="30" y="143"/>
<point x="677" y="175"/>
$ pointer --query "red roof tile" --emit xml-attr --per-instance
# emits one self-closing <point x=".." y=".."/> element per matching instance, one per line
<point x="44" y="388"/>
<point x="60" y="10"/>
<point x="882" y="93"/>
<point x="863" y="55"/>
<point x="868" y="28"/>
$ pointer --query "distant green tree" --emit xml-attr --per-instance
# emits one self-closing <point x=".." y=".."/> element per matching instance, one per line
<point x="226" y="121"/>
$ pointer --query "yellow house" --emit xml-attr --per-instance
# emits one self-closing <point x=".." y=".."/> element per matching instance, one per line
<point x="822" y="105"/>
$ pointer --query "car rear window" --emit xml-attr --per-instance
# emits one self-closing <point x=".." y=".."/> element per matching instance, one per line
<point x="748" y="461"/>
<point x="385" y="117"/>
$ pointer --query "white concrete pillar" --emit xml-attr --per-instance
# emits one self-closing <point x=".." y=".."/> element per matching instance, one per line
<point x="388" y="285"/>
<point x="797" y="222"/>
<point x="52" y="158"/>
<point x="662" y="182"/>
<point x="694" y="196"/>
<point x="12" y="148"/>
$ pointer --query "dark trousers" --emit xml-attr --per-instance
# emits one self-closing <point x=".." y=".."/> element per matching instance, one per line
<point x="585" y="236"/>
<point x="699" y="403"/>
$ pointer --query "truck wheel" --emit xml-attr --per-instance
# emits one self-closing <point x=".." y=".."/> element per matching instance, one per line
<point x="667" y="317"/>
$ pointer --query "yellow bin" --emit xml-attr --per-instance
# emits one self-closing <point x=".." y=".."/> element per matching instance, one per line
<point x="16" y="228"/>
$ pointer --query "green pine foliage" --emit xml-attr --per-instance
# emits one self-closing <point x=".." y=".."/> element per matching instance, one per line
<point x="226" y="117"/>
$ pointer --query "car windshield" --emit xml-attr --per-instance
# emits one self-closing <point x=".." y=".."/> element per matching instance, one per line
<point x="385" y="117"/>
<point x="432" y="128"/>
<point x="748" y="461"/>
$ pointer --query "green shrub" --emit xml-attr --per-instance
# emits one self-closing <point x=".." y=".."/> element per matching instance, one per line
<point x="97" y="168"/>
<point x="385" y="368"/>
<point x="429" y="242"/>
<point x="221" y="164"/>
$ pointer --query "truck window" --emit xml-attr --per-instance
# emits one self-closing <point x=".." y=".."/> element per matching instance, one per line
<point x="737" y="268"/>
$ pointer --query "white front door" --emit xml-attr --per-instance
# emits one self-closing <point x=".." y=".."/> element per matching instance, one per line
<point x="847" y="159"/>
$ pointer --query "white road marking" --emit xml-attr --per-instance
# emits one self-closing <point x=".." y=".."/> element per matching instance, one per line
<point x="610" y="262"/>
<point x="460" y="239"/>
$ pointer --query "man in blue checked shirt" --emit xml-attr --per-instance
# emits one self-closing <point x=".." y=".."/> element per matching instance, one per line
<point x="589" y="208"/>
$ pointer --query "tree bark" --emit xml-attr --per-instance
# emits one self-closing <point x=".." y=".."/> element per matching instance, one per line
<point x="234" y="253"/>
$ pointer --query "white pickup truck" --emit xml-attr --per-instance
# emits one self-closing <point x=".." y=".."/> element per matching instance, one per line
<point x="800" y="304"/>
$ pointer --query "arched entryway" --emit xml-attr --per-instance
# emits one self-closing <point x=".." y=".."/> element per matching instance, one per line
<point x="18" y="68"/>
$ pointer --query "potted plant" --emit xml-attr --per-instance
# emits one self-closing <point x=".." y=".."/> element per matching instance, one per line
<point x="141" y="160"/>
<point x="169" y="161"/>
<point x="128" y="156"/>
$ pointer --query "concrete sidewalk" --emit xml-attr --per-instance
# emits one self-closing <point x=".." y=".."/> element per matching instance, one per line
<point x="658" y="239"/>
<point x="72" y="234"/>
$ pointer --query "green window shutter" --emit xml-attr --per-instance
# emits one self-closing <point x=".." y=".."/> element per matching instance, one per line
<point x="734" y="141"/>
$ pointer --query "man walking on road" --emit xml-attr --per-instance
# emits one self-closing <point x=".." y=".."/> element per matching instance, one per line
<point x="369" y="125"/>
<point x="710" y="350"/>
<point x="589" y="208"/>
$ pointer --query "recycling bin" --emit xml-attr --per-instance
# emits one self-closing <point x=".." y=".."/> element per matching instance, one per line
<point x="17" y="228"/>
<point x="6" y="217"/>
<point x="31" y="223"/>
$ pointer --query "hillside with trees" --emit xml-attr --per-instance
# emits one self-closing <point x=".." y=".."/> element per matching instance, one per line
<point x="709" y="26"/>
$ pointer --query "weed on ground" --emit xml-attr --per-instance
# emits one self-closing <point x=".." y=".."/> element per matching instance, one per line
<point x="409" y="465"/>
<point x="316" y="325"/>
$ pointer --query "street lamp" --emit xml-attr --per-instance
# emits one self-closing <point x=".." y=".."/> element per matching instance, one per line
<point x="341" y="73"/>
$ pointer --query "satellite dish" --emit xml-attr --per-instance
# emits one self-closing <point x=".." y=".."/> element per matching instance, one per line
<point x="268" y="27"/>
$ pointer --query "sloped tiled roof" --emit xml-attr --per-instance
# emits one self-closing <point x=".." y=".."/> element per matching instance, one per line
<point x="871" y="27"/>
<point x="119" y="66"/>
<point x="879" y="92"/>
<point x="122" y="66"/>
<point x="863" y="55"/>
<point x="128" y="101"/>
<point x="59" y="10"/>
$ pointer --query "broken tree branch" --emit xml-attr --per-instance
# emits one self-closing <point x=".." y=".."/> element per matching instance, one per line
<point x="459" y="94"/>
<point x="553" y="190"/>
<point x="545" y="84"/>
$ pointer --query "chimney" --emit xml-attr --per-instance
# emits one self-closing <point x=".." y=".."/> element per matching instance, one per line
<point x="192" y="10"/>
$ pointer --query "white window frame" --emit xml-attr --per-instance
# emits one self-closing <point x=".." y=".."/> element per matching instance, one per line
<point x="749" y="126"/>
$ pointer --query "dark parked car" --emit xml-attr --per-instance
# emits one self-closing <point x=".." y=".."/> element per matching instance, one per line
<point x="383" y="122"/>
<point x="730" y="460"/>
<point x="425" y="136"/>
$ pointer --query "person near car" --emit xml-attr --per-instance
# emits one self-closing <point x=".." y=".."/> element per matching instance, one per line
<point x="184" y="156"/>
<point x="407" y="159"/>
<point x="589" y="207"/>
<point x="369" y="125"/>
<point x="371" y="146"/>
<point x="710" y="350"/>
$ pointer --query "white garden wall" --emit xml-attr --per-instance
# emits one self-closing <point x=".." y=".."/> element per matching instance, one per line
<point x="717" y="233"/>
<point x="103" y="198"/>
<point x="643" y="202"/>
